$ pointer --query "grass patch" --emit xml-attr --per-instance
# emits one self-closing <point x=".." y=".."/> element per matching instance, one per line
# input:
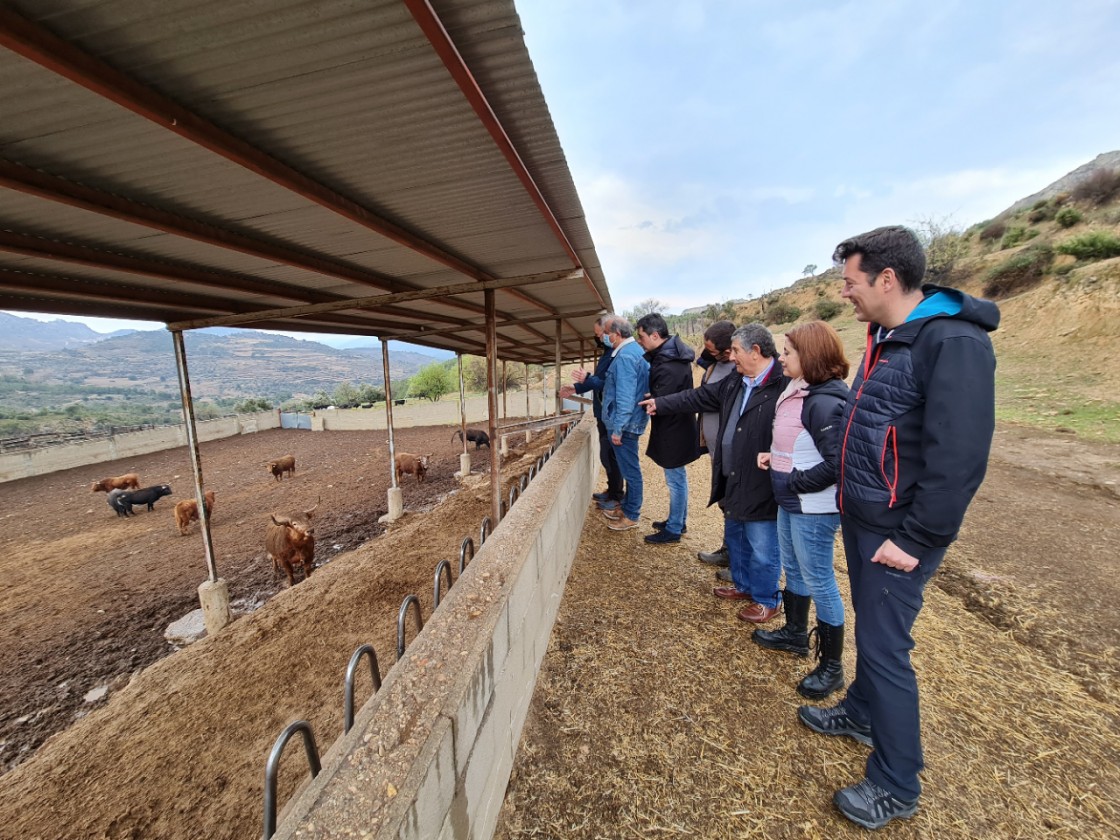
<point x="1017" y="273"/>
<point x="1091" y="419"/>
<point x="1094" y="245"/>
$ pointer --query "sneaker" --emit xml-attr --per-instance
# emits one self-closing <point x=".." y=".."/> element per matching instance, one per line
<point x="623" y="524"/>
<point x="871" y="806"/>
<point x="614" y="514"/>
<point x="660" y="526"/>
<point x="662" y="536"/>
<point x="834" y="720"/>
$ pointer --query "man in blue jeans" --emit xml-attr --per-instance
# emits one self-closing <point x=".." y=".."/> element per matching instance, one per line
<point x="916" y="432"/>
<point x="746" y="404"/>
<point x="674" y="440"/>
<point x="627" y="382"/>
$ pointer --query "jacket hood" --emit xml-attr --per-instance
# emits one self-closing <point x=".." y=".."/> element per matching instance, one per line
<point x="944" y="302"/>
<point x="835" y="387"/>
<point x="672" y="350"/>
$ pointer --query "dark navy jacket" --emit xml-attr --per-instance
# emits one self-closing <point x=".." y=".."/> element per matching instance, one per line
<point x="674" y="440"/>
<point x="746" y="494"/>
<point x="918" y="424"/>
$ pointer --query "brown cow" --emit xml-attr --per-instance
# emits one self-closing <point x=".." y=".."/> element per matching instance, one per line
<point x="287" y="464"/>
<point x="186" y="511"/>
<point x="290" y="542"/>
<point x="416" y="465"/>
<point x="121" y="482"/>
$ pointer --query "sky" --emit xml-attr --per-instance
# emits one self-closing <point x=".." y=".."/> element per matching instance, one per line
<point x="719" y="147"/>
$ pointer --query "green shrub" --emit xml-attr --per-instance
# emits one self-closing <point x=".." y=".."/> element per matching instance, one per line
<point x="1094" y="245"/>
<point x="1067" y="217"/>
<point x="826" y="309"/>
<point x="1042" y="214"/>
<point x="1018" y="273"/>
<point x="993" y="230"/>
<point x="1038" y="205"/>
<point x="781" y="313"/>
<point x="1013" y="237"/>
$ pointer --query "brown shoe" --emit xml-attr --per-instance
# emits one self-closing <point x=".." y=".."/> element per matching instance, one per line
<point x="623" y="524"/>
<point x="613" y="515"/>
<point x="730" y="593"/>
<point x="758" y="614"/>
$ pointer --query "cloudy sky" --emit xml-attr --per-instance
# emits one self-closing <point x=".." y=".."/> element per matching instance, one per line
<point x="720" y="146"/>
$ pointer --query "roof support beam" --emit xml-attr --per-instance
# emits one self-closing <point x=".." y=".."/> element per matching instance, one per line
<point x="514" y="323"/>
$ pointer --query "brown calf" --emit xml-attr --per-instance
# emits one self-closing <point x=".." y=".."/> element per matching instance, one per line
<point x="290" y="542"/>
<point x="186" y="511"/>
<point x="416" y="465"/>
<point x="121" y="482"/>
<point x="287" y="464"/>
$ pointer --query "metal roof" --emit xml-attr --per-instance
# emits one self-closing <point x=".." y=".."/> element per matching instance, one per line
<point x="280" y="160"/>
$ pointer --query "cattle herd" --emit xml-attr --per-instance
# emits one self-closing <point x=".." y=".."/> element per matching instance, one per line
<point x="289" y="540"/>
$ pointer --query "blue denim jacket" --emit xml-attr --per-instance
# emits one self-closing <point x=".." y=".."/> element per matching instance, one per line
<point x="627" y="383"/>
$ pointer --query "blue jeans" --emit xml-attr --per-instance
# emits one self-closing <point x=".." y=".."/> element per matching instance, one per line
<point x="806" y="541"/>
<point x="677" y="480"/>
<point x="626" y="453"/>
<point x="885" y="690"/>
<point x="756" y="565"/>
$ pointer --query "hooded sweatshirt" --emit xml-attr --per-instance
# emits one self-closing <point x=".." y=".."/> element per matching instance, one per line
<point x="918" y="423"/>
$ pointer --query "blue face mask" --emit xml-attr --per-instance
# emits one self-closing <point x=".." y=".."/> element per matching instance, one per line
<point x="607" y="342"/>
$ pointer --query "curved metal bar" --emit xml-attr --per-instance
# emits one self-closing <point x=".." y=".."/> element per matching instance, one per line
<point x="411" y="600"/>
<point x="532" y="471"/>
<point x="304" y="728"/>
<point x="514" y="494"/>
<point x="348" y="684"/>
<point x="442" y="566"/>
<point x="484" y="531"/>
<point x="522" y="484"/>
<point x="463" y="559"/>
<point x="503" y="509"/>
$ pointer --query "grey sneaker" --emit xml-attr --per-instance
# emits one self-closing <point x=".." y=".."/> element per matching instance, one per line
<point x="834" y="720"/>
<point x="719" y="557"/>
<point x="871" y="806"/>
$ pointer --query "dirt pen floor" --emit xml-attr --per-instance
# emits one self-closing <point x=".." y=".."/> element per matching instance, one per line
<point x="654" y="716"/>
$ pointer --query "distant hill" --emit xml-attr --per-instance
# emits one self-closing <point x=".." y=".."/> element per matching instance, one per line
<point x="222" y="362"/>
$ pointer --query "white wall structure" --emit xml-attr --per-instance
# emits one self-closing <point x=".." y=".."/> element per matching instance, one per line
<point x="431" y="753"/>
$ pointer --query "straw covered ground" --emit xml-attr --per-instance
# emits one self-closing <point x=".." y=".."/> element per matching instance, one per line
<point x="655" y="715"/>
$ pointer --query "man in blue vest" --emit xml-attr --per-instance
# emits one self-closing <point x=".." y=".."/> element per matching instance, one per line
<point x="916" y="433"/>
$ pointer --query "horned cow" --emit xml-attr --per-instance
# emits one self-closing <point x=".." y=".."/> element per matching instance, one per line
<point x="416" y="465"/>
<point x="290" y="543"/>
<point x="286" y="464"/>
<point x="145" y="496"/>
<point x="186" y="511"/>
<point x="476" y="436"/>
<point x="120" y="482"/>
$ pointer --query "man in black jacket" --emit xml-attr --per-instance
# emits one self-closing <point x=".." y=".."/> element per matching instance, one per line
<point x="916" y="433"/>
<point x="674" y="439"/>
<point x="746" y="404"/>
<point x="610" y="498"/>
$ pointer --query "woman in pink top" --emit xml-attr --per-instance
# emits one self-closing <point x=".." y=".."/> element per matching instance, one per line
<point x="804" y="465"/>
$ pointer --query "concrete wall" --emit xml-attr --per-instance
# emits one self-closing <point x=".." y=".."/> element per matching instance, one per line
<point x="431" y="753"/>
<point x="31" y="462"/>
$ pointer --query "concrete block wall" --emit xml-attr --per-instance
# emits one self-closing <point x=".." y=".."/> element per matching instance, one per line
<point x="32" y="462"/>
<point x="431" y="753"/>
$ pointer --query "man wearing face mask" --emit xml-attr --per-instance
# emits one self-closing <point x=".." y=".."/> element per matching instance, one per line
<point x="716" y="363"/>
<point x="611" y="498"/>
<point x="627" y="382"/>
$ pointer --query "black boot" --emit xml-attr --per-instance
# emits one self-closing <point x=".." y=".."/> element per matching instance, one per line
<point x="719" y="557"/>
<point x="793" y="636"/>
<point x="828" y="676"/>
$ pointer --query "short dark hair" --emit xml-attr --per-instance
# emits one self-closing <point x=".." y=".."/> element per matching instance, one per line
<point x="894" y="247"/>
<point x="719" y="334"/>
<point x="821" y="352"/>
<point x="756" y="333"/>
<point x="653" y="323"/>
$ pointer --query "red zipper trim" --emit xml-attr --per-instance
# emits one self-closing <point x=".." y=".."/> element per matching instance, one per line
<point x="890" y="440"/>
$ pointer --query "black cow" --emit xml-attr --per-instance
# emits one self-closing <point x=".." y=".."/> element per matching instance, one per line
<point x="398" y="402"/>
<point x="114" y="501"/>
<point x="145" y="496"/>
<point x="475" y="436"/>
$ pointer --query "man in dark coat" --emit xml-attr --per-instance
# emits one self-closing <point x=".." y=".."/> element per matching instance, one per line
<point x="610" y="498"/>
<point x="746" y="405"/>
<point x="916" y="432"/>
<point x="673" y="439"/>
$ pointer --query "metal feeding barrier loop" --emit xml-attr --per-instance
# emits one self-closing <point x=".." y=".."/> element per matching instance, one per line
<point x="521" y="485"/>
<point x="304" y="728"/>
<point x="442" y="566"/>
<point x="348" y="685"/>
<point x="514" y="494"/>
<point x="411" y="600"/>
<point x="463" y="559"/>
<point x="484" y="531"/>
<point x="532" y="471"/>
